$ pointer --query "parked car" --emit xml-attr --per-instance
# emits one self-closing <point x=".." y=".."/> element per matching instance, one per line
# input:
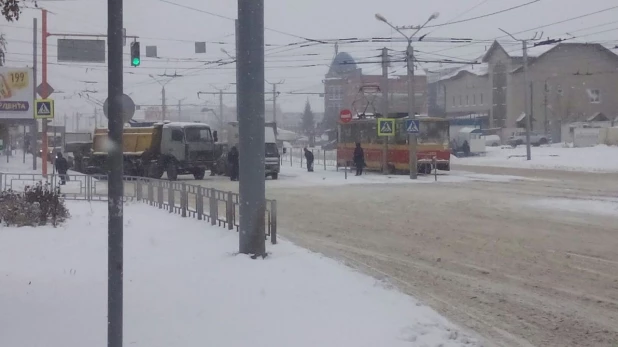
<point x="519" y="138"/>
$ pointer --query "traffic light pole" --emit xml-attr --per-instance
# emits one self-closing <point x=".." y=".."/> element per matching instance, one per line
<point x="115" y="181"/>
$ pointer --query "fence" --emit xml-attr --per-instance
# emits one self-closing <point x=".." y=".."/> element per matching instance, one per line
<point x="322" y="158"/>
<point x="219" y="208"/>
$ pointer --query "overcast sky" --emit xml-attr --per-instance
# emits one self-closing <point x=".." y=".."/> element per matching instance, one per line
<point x="173" y="29"/>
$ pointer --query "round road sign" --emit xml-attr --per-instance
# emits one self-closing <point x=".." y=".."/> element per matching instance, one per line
<point x="128" y="108"/>
<point x="345" y="116"/>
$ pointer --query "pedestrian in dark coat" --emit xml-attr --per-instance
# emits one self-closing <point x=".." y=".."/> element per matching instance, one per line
<point x="309" y="157"/>
<point x="62" y="166"/>
<point x="233" y="161"/>
<point x="359" y="159"/>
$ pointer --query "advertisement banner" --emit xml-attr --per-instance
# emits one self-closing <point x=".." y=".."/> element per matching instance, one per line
<point x="16" y="93"/>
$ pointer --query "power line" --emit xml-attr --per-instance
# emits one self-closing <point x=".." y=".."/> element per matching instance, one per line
<point x="538" y="27"/>
<point x="231" y="19"/>
<point x="482" y="16"/>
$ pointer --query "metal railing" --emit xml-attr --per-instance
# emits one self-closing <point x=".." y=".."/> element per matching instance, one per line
<point x="322" y="158"/>
<point x="219" y="208"/>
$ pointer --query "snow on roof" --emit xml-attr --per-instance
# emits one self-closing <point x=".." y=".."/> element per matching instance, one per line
<point x="476" y="69"/>
<point x="183" y="124"/>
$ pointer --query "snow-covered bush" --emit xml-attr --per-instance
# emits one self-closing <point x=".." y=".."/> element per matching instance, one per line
<point x="37" y="205"/>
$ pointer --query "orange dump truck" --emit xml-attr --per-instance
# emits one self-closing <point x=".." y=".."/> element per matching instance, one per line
<point x="172" y="147"/>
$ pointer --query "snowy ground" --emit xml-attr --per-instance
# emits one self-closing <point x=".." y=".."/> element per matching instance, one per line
<point x="557" y="157"/>
<point x="592" y="205"/>
<point x="184" y="286"/>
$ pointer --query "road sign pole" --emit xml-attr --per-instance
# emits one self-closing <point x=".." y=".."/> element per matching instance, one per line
<point x="116" y="189"/>
<point x="412" y="140"/>
<point x="44" y="81"/>
<point x="34" y="129"/>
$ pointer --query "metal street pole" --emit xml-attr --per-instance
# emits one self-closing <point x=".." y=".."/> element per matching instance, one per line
<point x="115" y="182"/>
<point x="221" y="109"/>
<point x="44" y="35"/>
<point x="34" y="129"/>
<point x="384" y="107"/>
<point x="163" y="106"/>
<point x="528" y="110"/>
<point x="251" y="109"/>
<point x="412" y="139"/>
<point x="179" y="110"/>
<point x="527" y="96"/>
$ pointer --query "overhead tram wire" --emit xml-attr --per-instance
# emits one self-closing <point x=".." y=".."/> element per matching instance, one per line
<point x="538" y="27"/>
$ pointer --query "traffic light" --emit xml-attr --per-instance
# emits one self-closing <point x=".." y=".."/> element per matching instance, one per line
<point x="135" y="59"/>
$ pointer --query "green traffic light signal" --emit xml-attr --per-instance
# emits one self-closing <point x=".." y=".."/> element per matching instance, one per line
<point x="135" y="56"/>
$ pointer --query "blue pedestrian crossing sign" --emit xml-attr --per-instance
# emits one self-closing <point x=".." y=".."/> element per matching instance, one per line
<point x="44" y="109"/>
<point x="386" y="127"/>
<point x="412" y="126"/>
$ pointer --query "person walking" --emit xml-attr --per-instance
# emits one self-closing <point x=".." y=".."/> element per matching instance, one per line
<point x="233" y="161"/>
<point x="62" y="166"/>
<point x="309" y="157"/>
<point x="359" y="159"/>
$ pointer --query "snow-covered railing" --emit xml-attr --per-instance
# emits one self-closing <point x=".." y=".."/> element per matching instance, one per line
<point x="219" y="208"/>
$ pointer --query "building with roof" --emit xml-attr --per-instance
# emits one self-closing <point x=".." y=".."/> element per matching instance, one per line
<point x="569" y="82"/>
<point x="343" y="89"/>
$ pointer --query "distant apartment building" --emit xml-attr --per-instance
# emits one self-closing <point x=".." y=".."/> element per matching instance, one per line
<point x="569" y="82"/>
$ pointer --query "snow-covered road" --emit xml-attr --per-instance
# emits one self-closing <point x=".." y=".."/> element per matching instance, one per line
<point x="482" y="252"/>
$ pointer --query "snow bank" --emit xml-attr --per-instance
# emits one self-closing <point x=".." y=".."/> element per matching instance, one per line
<point x="184" y="286"/>
<point x="590" y="159"/>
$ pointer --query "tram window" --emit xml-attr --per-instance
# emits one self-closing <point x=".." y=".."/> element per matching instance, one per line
<point x="434" y="132"/>
<point x="401" y="135"/>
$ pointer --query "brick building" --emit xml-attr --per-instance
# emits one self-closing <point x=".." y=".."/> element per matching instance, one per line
<point x="342" y="90"/>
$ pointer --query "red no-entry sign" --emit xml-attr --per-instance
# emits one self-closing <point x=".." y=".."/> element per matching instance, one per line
<point x="345" y="116"/>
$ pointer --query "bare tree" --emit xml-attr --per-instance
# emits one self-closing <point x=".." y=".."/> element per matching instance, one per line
<point x="2" y="49"/>
<point x="11" y="9"/>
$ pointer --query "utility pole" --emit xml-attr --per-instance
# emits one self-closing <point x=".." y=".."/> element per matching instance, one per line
<point x="528" y="110"/>
<point x="545" y="122"/>
<point x="163" y="106"/>
<point x="115" y="180"/>
<point x="275" y="98"/>
<point x="385" y="95"/>
<point x="34" y="129"/>
<point x="412" y="138"/>
<point x="179" y="110"/>
<point x="250" y="75"/>
<point x="220" y="92"/>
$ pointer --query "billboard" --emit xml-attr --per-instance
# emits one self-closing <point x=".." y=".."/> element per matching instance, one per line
<point x="16" y="93"/>
<point x="81" y="51"/>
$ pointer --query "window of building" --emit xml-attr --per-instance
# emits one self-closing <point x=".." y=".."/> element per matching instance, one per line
<point x="467" y="100"/>
<point x="460" y="100"/>
<point x="594" y="95"/>
<point x="481" y="99"/>
<point x="473" y="99"/>
<point x="453" y="101"/>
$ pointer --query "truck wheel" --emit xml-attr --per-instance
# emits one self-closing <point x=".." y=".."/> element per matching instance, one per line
<point x="154" y="171"/>
<point x="199" y="174"/>
<point x="172" y="172"/>
<point x="275" y="175"/>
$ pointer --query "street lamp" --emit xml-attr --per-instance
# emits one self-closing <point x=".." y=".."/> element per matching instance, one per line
<point x="412" y="139"/>
<point x="163" y="105"/>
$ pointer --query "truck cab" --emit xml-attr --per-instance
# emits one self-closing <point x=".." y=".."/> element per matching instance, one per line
<point x="181" y="148"/>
